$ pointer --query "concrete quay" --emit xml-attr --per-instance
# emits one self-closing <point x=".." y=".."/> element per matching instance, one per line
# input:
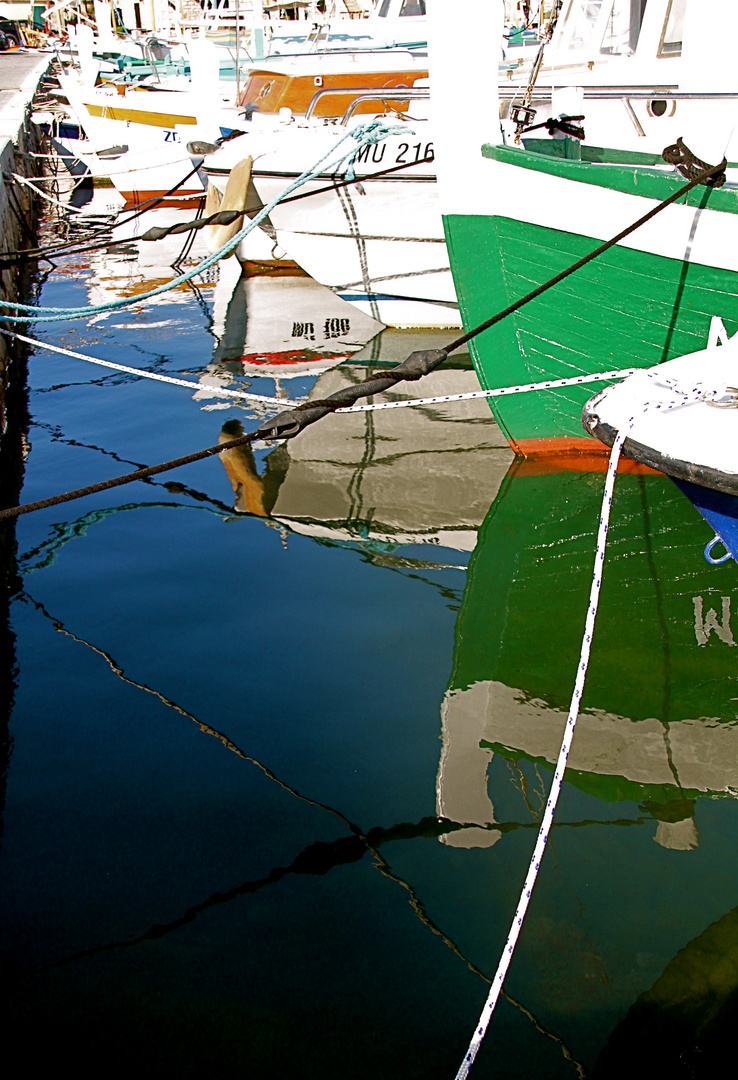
<point x="20" y="76"/>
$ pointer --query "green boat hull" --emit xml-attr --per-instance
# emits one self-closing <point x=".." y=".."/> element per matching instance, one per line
<point x="658" y="723"/>
<point x="626" y="309"/>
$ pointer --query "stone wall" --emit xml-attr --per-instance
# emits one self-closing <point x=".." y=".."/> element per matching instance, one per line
<point x="20" y="76"/>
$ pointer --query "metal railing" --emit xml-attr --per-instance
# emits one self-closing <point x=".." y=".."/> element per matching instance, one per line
<point x="365" y="93"/>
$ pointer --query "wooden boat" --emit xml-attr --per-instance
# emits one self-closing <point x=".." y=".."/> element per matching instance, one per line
<point x="515" y="217"/>
<point x="379" y="242"/>
<point x="299" y="82"/>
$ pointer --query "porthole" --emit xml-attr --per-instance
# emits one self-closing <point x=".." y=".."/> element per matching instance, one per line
<point x="660" y="107"/>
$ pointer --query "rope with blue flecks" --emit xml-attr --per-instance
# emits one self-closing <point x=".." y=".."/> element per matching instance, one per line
<point x="681" y="397"/>
<point x="553" y="796"/>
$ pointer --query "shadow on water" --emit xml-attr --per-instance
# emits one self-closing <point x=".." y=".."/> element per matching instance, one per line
<point x="684" y="1026"/>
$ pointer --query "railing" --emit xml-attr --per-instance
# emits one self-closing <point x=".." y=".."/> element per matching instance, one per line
<point x="625" y="94"/>
<point x="366" y="93"/>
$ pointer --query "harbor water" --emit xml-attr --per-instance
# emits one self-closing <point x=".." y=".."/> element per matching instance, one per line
<point x="282" y="724"/>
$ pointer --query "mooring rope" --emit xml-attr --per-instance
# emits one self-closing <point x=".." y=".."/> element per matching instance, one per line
<point x="523" y="388"/>
<point x="680" y="397"/>
<point x="553" y="797"/>
<point x="287" y="424"/>
<point x="368" y="387"/>
<point x="220" y="390"/>
<point x="42" y="194"/>
<point x="23" y="255"/>
<point x="366" y="134"/>
<point x="75" y="247"/>
<point x="117" y="481"/>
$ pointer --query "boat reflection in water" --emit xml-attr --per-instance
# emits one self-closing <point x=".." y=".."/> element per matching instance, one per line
<point x="658" y="720"/>
<point x="282" y="323"/>
<point x="655" y="742"/>
<point x="381" y="479"/>
<point x="657" y="736"/>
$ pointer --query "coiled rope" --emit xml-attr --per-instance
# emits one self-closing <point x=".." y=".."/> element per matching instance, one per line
<point x="370" y="133"/>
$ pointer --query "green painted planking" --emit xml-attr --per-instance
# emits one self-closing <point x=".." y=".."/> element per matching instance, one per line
<point x="619" y="311"/>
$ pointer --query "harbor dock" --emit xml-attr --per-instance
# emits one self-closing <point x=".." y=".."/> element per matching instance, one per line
<point x="21" y="74"/>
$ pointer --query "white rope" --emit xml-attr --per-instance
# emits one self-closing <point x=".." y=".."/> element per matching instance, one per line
<point x="42" y="194"/>
<point x="552" y="384"/>
<point x="681" y="397"/>
<point x="553" y="797"/>
<point x="223" y="391"/>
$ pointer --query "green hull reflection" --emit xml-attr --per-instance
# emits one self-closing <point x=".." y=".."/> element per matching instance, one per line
<point x="659" y="722"/>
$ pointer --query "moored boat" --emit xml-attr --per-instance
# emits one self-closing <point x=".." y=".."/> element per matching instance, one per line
<point x="680" y="417"/>
<point x="516" y="217"/>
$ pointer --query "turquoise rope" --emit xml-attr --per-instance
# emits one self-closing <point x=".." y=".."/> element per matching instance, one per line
<point x="370" y="133"/>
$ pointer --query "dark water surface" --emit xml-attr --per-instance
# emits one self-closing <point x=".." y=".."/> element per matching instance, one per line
<point x="278" y="757"/>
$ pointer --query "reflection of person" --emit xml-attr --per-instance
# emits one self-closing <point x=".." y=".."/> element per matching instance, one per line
<point x="254" y="494"/>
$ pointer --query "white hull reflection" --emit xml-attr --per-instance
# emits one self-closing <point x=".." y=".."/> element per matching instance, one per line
<point x="383" y="480"/>
<point x="283" y="325"/>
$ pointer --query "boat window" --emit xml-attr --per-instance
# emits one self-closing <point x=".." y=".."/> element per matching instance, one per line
<point x="412" y="7"/>
<point x="671" y="38"/>
<point x="606" y="27"/>
<point x="624" y="27"/>
<point x="384" y="9"/>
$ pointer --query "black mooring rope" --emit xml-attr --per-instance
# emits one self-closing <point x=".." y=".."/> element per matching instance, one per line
<point x="139" y="474"/>
<point x="288" y="424"/>
<point x="13" y="258"/>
